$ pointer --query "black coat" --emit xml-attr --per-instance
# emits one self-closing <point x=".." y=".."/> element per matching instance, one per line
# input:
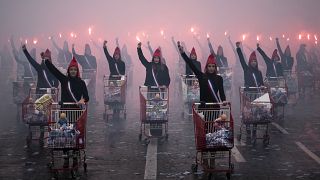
<point x="302" y="63"/>
<point x="77" y="85"/>
<point x="87" y="62"/>
<point x="286" y="61"/>
<point x="205" y="92"/>
<point x="248" y="73"/>
<point x="112" y="64"/>
<point x="189" y="70"/>
<point x="161" y="72"/>
<point x="274" y="69"/>
<point x="42" y="72"/>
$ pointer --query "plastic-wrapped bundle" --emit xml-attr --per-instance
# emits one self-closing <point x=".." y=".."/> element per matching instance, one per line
<point x="220" y="138"/>
<point x="64" y="136"/>
<point x="261" y="113"/>
<point x="36" y="117"/>
<point x="193" y="94"/>
<point x="279" y="95"/>
<point x="156" y="110"/>
<point x="114" y="95"/>
<point x="292" y="85"/>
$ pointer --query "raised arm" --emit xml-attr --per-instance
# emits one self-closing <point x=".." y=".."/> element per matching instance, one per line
<point x="77" y="56"/>
<point x="150" y="48"/>
<point x="266" y="59"/>
<point x="241" y="57"/>
<point x="15" y="51"/>
<point x="279" y="48"/>
<point x="54" y="71"/>
<point x="184" y="56"/>
<point x="211" y="47"/>
<point x="143" y="60"/>
<point x="55" y="44"/>
<point x="106" y="52"/>
<point x="30" y="58"/>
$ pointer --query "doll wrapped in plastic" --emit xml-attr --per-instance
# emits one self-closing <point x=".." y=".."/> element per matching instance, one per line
<point x="194" y="92"/>
<point x="157" y="109"/>
<point x="279" y="95"/>
<point x="114" y="94"/>
<point x="221" y="134"/>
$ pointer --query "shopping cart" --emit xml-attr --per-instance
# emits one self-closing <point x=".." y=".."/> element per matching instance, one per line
<point x="114" y="96"/>
<point x="226" y="74"/>
<point x="190" y="92"/>
<point x="89" y="77"/>
<point x="306" y="81"/>
<point x="214" y="131"/>
<point x="35" y="113"/>
<point x="278" y="91"/>
<point x="154" y="110"/>
<point x="256" y="110"/>
<point x="67" y="139"/>
<point x="292" y="84"/>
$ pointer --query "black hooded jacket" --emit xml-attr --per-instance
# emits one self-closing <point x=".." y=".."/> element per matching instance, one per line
<point x="250" y="72"/>
<point x="286" y="60"/>
<point x="87" y="62"/>
<point x="160" y="70"/>
<point x="45" y="78"/>
<point x="274" y="69"/>
<point x="206" y="94"/>
<point x="77" y="85"/>
<point x="114" y="64"/>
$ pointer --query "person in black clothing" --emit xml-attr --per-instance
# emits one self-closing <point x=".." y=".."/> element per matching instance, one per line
<point x="286" y="57"/>
<point x="89" y="68"/>
<point x="211" y="84"/>
<point x="274" y="67"/>
<point x="222" y="61"/>
<point x="252" y="78"/>
<point x="193" y="58"/>
<point x="23" y="66"/>
<point x="45" y="77"/>
<point x="157" y="73"/>
<point x="64" y="55"/>
<point x="116" y="65"/>
<point x="252" y="74"/>
<point x="73" y="89"/>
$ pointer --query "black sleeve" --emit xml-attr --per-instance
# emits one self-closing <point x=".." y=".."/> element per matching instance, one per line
<point x="195" y="70"/>
<point x="32" y="61"/>
<point x="150" y="50"/>
<point x="55" y="71"/>
<point x="242" y="61"/>
<point x="108" y="56"/>
<point x="167" y="83"/>
<point x="85" y="95"/>
<point x="280" y="50"/>
<point x="221" y="90"/>
<point x="55" y="45"/>
<point x="266" y="59"/>
<point x="142" y="58"/>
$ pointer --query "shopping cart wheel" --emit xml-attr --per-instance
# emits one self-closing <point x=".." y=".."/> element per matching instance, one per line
<point x="209" y="176"/>
<point x="239" y="137"/>
<point x="228" y="175"/>
<point x="167" y="137"/>
<point x="266" y="140"/>
<point x="194" y="168"/>
<point x="28" y="140"/>
<point x="73" y="174"/>
<point x="140" y="137"/>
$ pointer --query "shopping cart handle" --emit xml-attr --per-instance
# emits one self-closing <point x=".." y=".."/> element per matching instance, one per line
<point x="220" y="103"/>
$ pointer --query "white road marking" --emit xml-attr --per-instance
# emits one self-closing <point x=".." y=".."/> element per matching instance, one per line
<point x="237" y="155"/>
<point x="150" y="171"/>
<point x="281" y="129"/>
<point x="308" y="152"/>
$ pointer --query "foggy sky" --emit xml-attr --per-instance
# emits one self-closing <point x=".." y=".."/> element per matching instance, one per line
<point x="117" y="18"/>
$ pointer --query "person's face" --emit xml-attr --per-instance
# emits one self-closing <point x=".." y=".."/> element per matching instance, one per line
<point x="73" y="71"/>
<point x="156" y="59"/>
<point x="87" y="50"/>
<point x="211" y="68"/>
<point x="193" y="57"/>
<point x="253" y="63"/>
<point x="116" y="56"/>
